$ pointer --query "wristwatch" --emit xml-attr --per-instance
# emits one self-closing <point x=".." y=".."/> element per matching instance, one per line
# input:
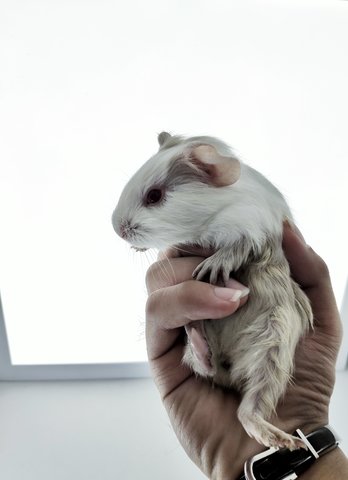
<point x="283" y="464"/>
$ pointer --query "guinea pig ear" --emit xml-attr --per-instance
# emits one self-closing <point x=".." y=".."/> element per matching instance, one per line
<point x="163" y="137"/>
<point x="220" y="170"/>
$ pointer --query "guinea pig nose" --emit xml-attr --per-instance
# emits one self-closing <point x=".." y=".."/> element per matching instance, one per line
<point x="126" y="229"/>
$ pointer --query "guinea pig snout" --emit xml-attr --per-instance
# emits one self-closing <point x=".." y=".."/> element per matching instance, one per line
<point x="126" y="229"/>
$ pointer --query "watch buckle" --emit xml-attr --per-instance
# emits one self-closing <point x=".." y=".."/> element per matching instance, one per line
<point x="249" y="465"/>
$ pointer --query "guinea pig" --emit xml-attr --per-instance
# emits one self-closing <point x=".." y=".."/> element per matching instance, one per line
<point x="196" y="191"/>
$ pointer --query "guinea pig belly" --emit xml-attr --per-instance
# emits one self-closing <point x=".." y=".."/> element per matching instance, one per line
<point x="198" y="354"/>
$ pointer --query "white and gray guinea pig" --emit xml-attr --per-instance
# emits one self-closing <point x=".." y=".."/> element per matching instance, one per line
<point x="196" y="191"/>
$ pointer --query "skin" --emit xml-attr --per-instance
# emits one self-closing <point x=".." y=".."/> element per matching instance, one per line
<point x="204" y="418"/>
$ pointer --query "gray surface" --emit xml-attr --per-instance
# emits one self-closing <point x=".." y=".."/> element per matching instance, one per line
<point x="103" y="430"/>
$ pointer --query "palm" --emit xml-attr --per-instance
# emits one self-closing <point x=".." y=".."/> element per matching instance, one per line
<point x="204" y="418"/>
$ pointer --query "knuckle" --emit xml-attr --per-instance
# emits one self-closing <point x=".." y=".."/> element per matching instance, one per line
<point x="151" y="274"/>
<point x="151" y="306"/>
<point x="322" y="268"/>
<point x="187" y="291"/>
<point x="186" y="299"/>
<point x="154" y="277"/>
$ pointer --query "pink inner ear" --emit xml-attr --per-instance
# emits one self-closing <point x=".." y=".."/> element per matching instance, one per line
<point x="222" y="170"/>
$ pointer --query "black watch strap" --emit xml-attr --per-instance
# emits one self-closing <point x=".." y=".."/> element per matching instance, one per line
<point x="285" y="464"/>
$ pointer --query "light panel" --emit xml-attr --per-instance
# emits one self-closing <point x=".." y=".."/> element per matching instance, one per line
<point x="85" y="88"/>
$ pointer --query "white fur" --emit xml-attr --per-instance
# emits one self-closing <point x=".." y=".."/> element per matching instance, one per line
<point x="243" y="222"/>
<point x="252" y="206"/>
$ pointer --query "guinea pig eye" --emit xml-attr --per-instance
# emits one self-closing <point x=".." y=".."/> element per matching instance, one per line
<point x="154" y="196"/>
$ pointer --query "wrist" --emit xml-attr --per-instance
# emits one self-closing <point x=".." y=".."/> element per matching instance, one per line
<point x="283" y="464"/>
<point x="332" y="466"/>
<point x="309" y="418"/>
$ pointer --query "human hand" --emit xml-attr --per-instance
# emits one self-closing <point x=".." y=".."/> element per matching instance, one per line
<point x="205" y="418"/>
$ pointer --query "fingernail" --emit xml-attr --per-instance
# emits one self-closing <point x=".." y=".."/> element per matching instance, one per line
<point x="230" y="294"/>
<point x="232" y="283"/>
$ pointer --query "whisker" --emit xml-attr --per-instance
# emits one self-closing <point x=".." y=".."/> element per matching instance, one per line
<point x="181" y="250"/>
<point x="152" y="255"/>
<point x="166" y="274"/>
<point x="147" y="254"/>
<point x="171" y="268"/>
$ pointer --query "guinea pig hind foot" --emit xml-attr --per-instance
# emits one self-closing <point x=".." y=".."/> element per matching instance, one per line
<point x="267" y="434"/>
<point x="197" y="352"/>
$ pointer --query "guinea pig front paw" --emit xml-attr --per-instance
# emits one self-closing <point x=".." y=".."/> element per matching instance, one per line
<point x="215" y="269"/>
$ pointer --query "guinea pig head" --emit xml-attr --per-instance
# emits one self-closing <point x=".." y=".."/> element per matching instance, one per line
<point x="171" y="198"/>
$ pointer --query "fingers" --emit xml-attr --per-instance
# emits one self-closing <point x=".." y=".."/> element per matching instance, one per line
<point x="310" y="271"/>
<point x="172" y="304"/>
<point x="171" y="307"/>
<point x="185" y="251"/>
<point x="307" y="268"/>
<point x="192" y="300"/>
<point x="170" y="271"/>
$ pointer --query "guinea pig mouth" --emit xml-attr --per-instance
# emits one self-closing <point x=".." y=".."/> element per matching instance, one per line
<point x="139" y="249"/>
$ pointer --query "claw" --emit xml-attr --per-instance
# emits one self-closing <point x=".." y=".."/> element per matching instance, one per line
<point x="199" y="272"/>
<point x="196" y="272"/>
<point x="215" y="269"/>
<point x="225" y="277"/>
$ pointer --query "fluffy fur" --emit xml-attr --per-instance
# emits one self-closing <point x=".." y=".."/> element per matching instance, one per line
<point x="209" y="198"/>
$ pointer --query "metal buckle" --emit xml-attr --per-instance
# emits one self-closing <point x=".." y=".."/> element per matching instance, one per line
<point x="249" y="464"/>
<point x="309" y="445"/>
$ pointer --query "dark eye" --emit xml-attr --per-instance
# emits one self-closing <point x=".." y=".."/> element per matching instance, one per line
<point x="154" y="196"/>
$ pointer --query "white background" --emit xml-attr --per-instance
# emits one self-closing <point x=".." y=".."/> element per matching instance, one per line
<point x="84" y="89"/>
